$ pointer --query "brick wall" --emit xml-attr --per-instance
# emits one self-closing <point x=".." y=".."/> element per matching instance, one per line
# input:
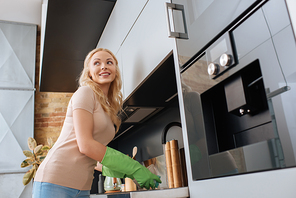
<point x="50" y="108"/>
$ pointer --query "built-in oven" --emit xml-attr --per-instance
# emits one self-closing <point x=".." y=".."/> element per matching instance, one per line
<point x="238" y="73"/>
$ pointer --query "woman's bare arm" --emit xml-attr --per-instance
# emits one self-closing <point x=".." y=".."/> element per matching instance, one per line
<point x="83" y="126"/>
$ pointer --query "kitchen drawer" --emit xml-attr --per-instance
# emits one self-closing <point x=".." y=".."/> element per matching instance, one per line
<point x="173" y="192"/>
<point x="115" y="195"/>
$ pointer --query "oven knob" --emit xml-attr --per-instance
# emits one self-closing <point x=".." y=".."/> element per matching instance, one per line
<point x="225" y="60"/>
<point x="213" y="69"/>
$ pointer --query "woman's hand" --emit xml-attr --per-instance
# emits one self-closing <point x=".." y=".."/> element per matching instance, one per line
<point x="99" y="167"/>
<point x="122" y="163"/>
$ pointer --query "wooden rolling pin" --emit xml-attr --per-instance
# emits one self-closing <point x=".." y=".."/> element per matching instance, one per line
<point x="129" y="184"/>
<point x="176" y="166"/>
<point x="169" y="165"/>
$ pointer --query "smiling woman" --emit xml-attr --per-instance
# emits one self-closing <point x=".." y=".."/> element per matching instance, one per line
<point x="91" y="123"/>
<point x="108" y="91"/>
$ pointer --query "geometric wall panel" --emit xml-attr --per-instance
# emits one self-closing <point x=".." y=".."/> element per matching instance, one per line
<point x="17" y="60"/>
<point x="11" y="186"/>
<point x="11" y="154"/>
<point x="16" y="125"/>
<point x="17" y="82"/>
<point x="13" y="102"/>
<point x="17" y="88"/>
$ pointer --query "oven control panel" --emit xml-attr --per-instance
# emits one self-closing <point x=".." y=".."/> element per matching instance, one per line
<point x="220" y="56"/>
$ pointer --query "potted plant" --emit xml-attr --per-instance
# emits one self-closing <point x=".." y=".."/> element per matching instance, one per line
<point x="34" y="157"/>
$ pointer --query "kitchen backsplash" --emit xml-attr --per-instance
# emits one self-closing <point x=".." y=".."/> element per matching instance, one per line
<point x="147" y="136"/>
<point x="158" y="166"/>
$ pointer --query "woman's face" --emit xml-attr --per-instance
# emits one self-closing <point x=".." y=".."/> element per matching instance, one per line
<point x="102" y="68"/>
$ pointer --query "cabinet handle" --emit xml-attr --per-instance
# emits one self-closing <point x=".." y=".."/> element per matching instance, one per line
<point x="173" y="34"/>
<point x="279" y="91"/>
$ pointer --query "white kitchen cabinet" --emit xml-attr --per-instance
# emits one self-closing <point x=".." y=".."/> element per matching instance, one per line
<point x="122" y="18"/>
<point x="136" y="33"/>
<point x="146" y="45"/>
<point x="120" y="65"/>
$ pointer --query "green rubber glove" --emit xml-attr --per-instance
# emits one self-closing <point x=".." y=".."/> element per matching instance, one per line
<point x="112" y="173"/>
<point x="122" y="163"/>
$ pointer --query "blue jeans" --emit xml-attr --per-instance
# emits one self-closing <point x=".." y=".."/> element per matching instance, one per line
<point x="48" y="190"/>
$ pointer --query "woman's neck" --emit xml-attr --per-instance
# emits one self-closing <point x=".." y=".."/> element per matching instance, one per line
<point x="105" y="89"/>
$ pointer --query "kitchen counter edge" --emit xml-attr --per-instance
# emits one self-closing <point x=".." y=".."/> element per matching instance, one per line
<point x="173" y="192"/>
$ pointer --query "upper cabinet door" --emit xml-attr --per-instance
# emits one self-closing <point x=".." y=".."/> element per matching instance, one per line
<point x="204" y="20"/>
<point x="146" y="45"/>
<point x="121" y="20"/>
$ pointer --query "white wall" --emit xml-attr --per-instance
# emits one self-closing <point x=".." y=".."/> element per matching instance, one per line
<point x="24" y="11"/>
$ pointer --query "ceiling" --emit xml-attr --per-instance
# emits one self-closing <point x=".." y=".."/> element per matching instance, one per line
<point x="73" y="28"/>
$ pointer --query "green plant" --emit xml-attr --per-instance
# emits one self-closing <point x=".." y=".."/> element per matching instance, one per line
<point x="34" y="157"/>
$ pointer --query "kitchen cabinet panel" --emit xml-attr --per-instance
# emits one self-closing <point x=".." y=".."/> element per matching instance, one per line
<point x="129" y="12"/>
<point x="276" y="16"/>
<point x="204" y="20"/>
<point x="291" y="6"/>
<point x="110" y="37"/>
<point x="121" y="20"/>
<point x="146" y="45"/>
<point x="120" y="65"/>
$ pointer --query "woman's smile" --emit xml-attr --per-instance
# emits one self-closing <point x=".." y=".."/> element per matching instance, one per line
<point x="102" y="69"/>
<point x="104" y="74"/>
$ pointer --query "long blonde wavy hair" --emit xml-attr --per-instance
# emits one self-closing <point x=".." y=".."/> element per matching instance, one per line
<point x="113" y="103"/>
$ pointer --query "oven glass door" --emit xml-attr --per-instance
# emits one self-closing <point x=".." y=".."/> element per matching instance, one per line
<point x="243" y="120"/>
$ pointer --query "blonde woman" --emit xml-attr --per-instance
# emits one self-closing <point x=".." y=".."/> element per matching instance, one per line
<point x="90" y="124"/>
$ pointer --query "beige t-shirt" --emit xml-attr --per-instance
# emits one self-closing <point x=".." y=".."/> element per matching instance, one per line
<point x="64" y="164"/>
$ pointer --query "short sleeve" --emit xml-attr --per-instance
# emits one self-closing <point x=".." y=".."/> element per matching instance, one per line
<point x="84" y="98"/>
